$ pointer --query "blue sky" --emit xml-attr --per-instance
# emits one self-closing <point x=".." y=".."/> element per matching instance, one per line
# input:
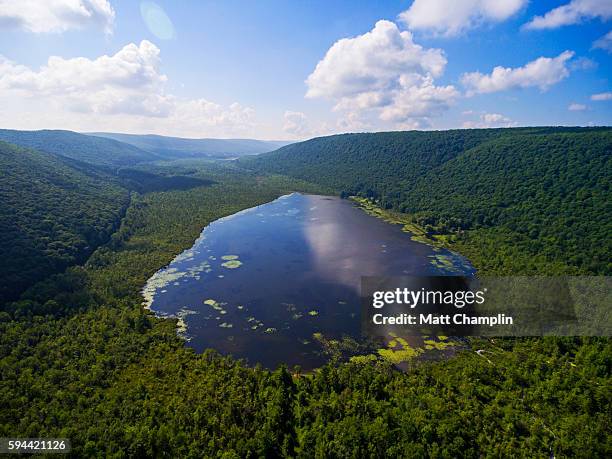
<point x="276" y="69"/>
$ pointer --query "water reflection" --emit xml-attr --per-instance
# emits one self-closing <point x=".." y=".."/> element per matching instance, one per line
<point x="274" y="283"/>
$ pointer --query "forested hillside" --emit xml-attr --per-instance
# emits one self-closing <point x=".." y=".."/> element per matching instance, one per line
<point x="549" y="187"/>
<point x="54" y="213"/>
<point x="89" y="149"/>
<point x="179" y="148"/>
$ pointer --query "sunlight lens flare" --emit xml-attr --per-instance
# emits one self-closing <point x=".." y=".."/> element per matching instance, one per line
<point x="157" y="21"/>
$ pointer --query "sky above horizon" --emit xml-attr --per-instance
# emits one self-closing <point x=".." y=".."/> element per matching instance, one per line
<point x="295" y="70"/>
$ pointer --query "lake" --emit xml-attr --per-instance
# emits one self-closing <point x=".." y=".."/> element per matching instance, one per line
<point x="273" y="283"/>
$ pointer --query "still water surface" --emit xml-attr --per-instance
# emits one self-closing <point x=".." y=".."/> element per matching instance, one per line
<point x="260" y="283"/>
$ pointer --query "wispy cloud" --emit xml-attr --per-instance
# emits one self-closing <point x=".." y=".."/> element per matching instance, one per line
<point x="604" y="42"/>
<point x="602" y="96"/>
<point x="573" y="12"/>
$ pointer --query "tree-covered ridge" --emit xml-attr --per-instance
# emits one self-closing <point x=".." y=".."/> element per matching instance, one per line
<point x="52" y="215"/>
<point x="554" y="189"/>
<point x="85" y="148"/>
<point x="368" y="161"/>
<point x="549" y="187"/>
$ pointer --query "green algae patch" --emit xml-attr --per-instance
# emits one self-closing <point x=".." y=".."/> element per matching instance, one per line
<point x="226" y="325"/>
<point x="229" y="257"/>
<point x="441" y="345"/>
<point x="215" y="305"/>
<point x="399" y="351"/>
<point x="270" y="330"/>
<point x="313" y="313"/>
<point x="445" y="262"/>
<point x="232" y="264"/>
<point x="255" y="323"/>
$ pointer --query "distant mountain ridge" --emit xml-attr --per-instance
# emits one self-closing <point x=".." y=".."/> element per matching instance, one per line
<point x="89" y="149"/>
<point x="123" y="150"/>
<point x="179" y="147"/>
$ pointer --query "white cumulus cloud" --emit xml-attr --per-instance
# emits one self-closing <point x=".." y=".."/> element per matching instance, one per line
<point x="602" y="96"/>
<point x="125" y="90"/>
<point x="127" y="82"/>
<point x="451" y="17"/>
<point x="573" y="12"/>
<point x="56" y="15"/>
<point x="604" y="42"/>
<point x="383" y="71"/>
<point x="542" y="72"/>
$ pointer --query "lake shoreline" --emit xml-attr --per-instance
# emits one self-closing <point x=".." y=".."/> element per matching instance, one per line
<point x="287" y="208"/>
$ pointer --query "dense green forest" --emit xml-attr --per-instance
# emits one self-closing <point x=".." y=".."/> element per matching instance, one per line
<point x="53" y="214"/>
<point x="80" y="358"/>
<point x="546" y="190"/>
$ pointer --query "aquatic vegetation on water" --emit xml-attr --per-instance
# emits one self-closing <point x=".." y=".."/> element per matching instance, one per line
<point x="445" y="262"/>
<point x="395" y="218"/>
<point x="158" y="281"/>
<point x="181" y="324"/>
<point x="313" y="313"/>
<point x="256" y="323"/>
<point x="440" y="345"/>
<point x="398" y="350"/>
<point x="225" y="325"/>
<point x="400" y="355"/>
<point x="229" y="257"/>
<point x="232" y="264"/>
<point x="270" y="330"/>
<point x="212" y="303"/>
<point x="215" y="305"/>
